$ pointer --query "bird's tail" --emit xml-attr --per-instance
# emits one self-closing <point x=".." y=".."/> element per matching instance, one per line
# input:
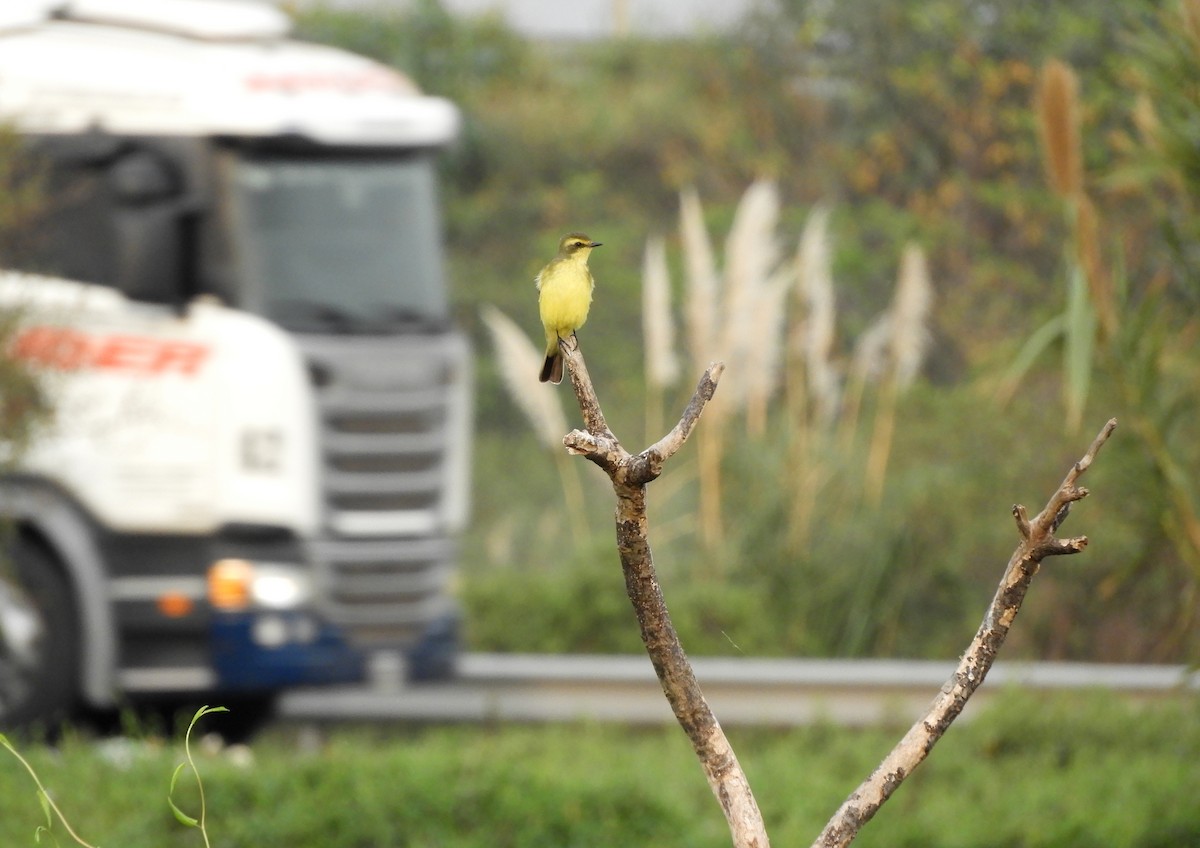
<point x="552" y="368"/>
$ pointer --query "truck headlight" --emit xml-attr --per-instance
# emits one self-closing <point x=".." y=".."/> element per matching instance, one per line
<point x="238" y="584"/>
<point x="280" y="586"/>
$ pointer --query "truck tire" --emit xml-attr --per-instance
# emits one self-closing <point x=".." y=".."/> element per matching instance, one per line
<point x="39" y="639"/>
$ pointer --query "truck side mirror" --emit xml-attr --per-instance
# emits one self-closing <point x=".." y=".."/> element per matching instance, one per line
<point x="154" y="225"/>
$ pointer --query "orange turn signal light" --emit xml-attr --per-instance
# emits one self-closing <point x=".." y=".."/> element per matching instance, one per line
<point x="174" y="605"/>
<point x="229" y="584"/>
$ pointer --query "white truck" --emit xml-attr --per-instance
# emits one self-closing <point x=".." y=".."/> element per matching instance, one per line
<point x="233" y="296"/>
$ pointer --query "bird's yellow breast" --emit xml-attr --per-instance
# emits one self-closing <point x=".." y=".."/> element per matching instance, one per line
<point x="566" y="294"/>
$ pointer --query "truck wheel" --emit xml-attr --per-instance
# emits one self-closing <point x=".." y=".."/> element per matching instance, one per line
<point x="39" y="643"/>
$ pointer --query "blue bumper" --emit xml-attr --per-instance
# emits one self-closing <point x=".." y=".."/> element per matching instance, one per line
<point x="255" y="651"/>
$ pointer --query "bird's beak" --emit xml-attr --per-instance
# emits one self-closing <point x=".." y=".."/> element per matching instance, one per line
<point x="595" y="243"/>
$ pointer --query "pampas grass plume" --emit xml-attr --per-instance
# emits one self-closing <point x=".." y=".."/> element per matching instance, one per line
<point x="763" y="355"/>
<point x="910" y="315"/>
<point x="814" y="339"/>
<point x="895" y="344"/>
<point x="519" y="362"/>
<point x="870" y="351"/>
<point x="658" y="327"/>
<point x="751" y="254"/>
<point x="701" y="269"/>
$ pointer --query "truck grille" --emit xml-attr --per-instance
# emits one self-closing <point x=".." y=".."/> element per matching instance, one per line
<point x="386" y="593"/>
<point x="393" y="419"/>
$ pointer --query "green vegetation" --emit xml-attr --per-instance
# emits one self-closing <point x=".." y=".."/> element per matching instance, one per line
<point x="914" y="123"/>
<point x="199" y="822"/>
<point x="51" y="814"/>
<point x="1031" y="771"/>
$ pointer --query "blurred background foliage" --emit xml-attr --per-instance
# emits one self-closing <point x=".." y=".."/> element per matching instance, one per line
<point x="24" y="406"/>
<point x="912" y="122"/>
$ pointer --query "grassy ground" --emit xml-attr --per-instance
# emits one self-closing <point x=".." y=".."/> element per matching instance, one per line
<point x="1031" y="772"/>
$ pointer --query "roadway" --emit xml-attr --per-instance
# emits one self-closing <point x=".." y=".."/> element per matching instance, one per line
<point x="770" y="692"/>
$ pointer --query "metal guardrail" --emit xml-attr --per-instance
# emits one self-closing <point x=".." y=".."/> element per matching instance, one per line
<point x="783" y="692"/>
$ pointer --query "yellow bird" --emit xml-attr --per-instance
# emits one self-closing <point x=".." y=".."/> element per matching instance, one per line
<point x="565" y="287"/>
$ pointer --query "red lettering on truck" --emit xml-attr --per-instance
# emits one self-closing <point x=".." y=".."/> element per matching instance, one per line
<point x="68" y="349"/>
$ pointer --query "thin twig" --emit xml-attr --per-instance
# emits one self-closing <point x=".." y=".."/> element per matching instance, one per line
<point x="629" y="475"/>
<point x="1037" y="542"/>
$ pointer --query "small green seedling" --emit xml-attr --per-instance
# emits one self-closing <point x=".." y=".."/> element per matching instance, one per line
<point x="49" y="808"/>
<point x="180" y="815"/>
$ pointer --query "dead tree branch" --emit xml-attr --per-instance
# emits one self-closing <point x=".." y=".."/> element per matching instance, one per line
<point x="1037" y="543"/>
<point x="630" y="474"/>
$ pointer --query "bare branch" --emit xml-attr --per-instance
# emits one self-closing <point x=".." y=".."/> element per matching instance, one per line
<point x="589" y="404"/>
<point x="649" y="463"/>
<point x="629" y="475"/>
<point x="1037" y="542"/>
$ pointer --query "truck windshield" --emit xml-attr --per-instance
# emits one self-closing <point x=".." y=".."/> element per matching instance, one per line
<point x="340" y="245"/>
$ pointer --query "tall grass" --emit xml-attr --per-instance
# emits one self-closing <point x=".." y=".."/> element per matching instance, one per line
<point x="701" y="321"/>
<point x="772" y="320"/>
<point x="1089" y="304"/>
<point x="1119" y="329"/>
<point x="658" y="333"/>
<point x="811" y="345"/>
<point x="736" y="317"/>
<point x="905" y="327"/>
<point x="749" y="335"/>
<point x="700" y="266"/>
<point x="813" y="382"/>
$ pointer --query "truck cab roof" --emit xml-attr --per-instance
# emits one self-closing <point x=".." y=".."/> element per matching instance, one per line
<point x="214" y="68"/>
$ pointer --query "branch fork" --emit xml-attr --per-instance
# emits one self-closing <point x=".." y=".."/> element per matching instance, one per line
<point x="1038" y="533"/>
<point x="631" y="473"/>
